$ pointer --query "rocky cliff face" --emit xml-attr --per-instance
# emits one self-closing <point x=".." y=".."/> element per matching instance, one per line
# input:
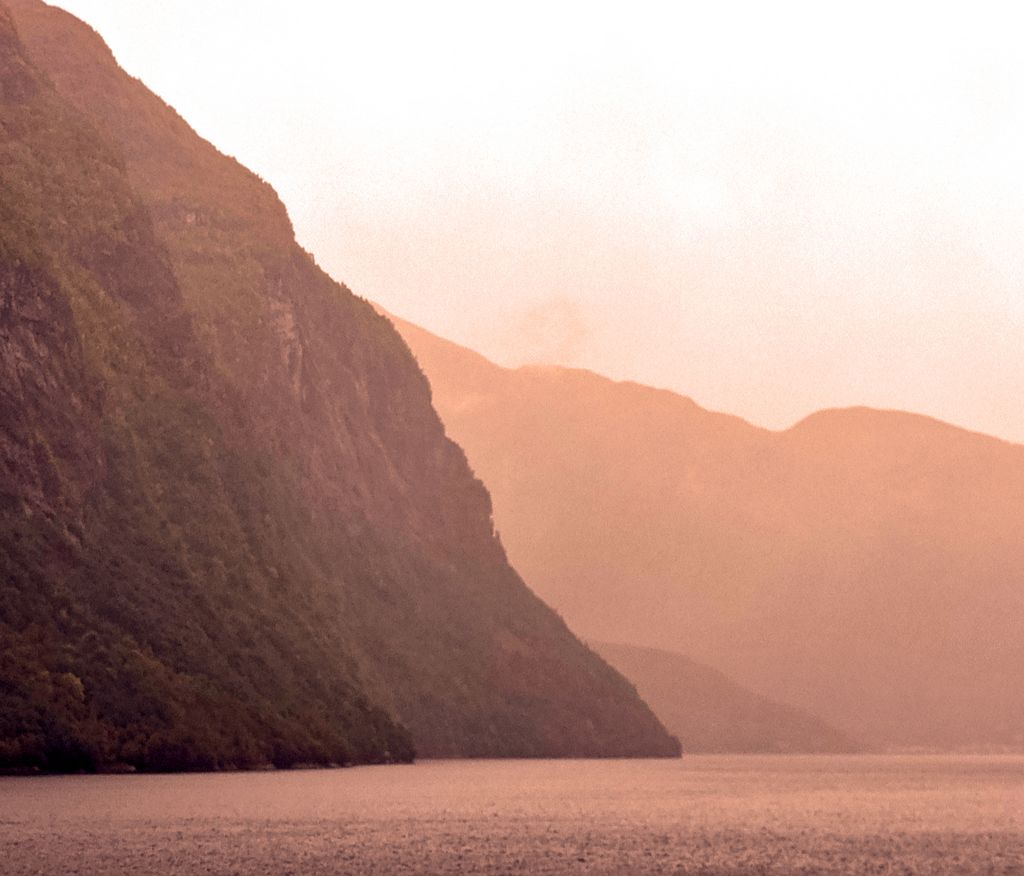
<point x="233" y="530"/>
<point x="866" y="566"/>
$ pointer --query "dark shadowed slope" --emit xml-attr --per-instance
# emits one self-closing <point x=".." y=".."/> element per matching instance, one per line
<point x="711" y="714"/>
<point x="232" y="530"/>
<point x="867" y="566"/>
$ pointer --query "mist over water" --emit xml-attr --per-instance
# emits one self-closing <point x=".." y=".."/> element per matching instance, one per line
<point x="707" y="814"/>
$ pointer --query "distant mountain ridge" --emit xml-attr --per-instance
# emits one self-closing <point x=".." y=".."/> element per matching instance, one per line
<point x="867" y="566"/>
<point x="232" y="530"/>
<point x="711" y="714"/>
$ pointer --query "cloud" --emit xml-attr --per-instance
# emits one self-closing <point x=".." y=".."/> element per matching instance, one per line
<point x="550" y="332"/>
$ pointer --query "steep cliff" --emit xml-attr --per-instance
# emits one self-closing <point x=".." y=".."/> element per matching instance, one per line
<point x="232" y="529"/>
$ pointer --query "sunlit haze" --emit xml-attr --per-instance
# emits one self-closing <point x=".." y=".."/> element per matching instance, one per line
<point x="771" y="208"/>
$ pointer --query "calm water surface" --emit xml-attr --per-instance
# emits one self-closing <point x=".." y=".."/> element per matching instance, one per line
<point x="698" y="815"/>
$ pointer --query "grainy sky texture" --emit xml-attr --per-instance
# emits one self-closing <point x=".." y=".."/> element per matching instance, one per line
<point x="772" y="208"/>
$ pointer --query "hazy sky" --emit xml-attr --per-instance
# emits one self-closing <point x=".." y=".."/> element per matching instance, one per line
<point x="770" y="207"/>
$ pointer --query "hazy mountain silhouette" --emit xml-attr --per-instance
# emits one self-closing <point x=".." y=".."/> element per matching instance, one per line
<point x="710" y="713"/>
<point x="864" y="565"/>
<point x="231" y="527"/>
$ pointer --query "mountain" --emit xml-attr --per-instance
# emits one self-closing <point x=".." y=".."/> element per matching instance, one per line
<point x="864" y="565"/>
<point x="232" y="530"/>
<point x="710" y="714"/>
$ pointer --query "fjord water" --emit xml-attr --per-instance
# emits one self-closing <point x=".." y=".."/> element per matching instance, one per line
<point x="701" y="814"/>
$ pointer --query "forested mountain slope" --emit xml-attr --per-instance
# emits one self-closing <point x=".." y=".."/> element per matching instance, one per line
<point x="232" y="530"/>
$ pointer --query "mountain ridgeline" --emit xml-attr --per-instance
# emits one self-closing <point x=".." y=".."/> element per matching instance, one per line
<point x="711" y="714"/>
<point x="865" y="566"/>
<point x="232" y="530"/>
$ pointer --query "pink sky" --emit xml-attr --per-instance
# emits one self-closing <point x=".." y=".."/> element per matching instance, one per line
<point x="770" y="212"/>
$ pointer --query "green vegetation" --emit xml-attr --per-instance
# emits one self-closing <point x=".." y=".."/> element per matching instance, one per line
<point x="232" y="531"/>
